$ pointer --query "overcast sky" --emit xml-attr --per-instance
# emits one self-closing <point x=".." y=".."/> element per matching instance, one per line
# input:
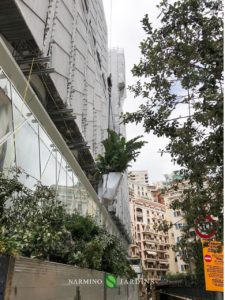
<point x="126" y="32"/>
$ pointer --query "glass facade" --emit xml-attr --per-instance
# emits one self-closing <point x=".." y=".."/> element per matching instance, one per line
<point x="25" y="144"/>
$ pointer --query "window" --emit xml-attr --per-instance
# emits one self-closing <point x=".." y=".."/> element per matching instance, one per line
<point x="7" y="152"/>
<point x="139" y="219"/>
<point x="179" y="225"/>
<point x="184" y="268"/>
<point x="176" y="213"/>
<point x="27" y="141"/>
<point x="5" y="113"/>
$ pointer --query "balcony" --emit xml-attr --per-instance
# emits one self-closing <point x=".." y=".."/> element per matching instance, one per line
<point x="163" y="260"/>
<point x="162" y="250"/>
<point x="148" y="230"/>
<point x="163" y="243"/>
<point x="149" y="248"/>
<point x="149" y="242"/>
<point x="151" y="252"/>
<point x="139" y="214"/>
<point x="151" y="268"/>
<point x="148" y="259"/>
<point x="134" y="246"/>
<point x="150" y="239"/>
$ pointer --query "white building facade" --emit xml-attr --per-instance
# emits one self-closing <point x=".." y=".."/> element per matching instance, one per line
<point x="118" y="95"/>
<point x="54" y="97"/>
<point x="176" y="218"/>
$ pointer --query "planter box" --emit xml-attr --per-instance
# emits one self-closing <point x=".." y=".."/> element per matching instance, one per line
<point x="110" y="186"/>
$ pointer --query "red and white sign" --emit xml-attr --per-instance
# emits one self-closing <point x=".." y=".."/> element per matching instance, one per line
<point x="206" y="221"/>
<point x="208" y="258"/>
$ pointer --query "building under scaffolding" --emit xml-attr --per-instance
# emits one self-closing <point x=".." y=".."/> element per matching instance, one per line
<point x="53" y="87"/>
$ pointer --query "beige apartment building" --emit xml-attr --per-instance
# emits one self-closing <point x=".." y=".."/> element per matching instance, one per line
<point x="138" y="176"/>
<point x="148" y="211"/>
<point x="176" y="264"/>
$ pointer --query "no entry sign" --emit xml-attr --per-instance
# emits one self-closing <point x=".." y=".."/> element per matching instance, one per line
<point x="208" y="258"/>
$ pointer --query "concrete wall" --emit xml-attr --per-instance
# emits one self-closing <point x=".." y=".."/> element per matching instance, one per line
<point x="40" y="280"/>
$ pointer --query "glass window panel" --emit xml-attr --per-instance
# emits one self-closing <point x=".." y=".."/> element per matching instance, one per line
<point x="46" y="149"/>
<point x="61" y="184"/>
<point x="20" y="110"/>
<point x="61" y="173"/>
<point x="7" y="154"/>
<point x="48" y="159"/>
<point x="4" y="84"/>
<point x="27" y="148"/>
<point x="81" y="199"/>
<point x="70" y="200"/>
<point x="69" y="177"/>
<point x="5" y="114"/>
<point x="48" y="176"/>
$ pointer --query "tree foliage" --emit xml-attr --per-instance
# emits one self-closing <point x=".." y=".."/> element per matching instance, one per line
<point x="180" y="75"/>
<point x="36" y="224"/>
<point x="118" y="153"/>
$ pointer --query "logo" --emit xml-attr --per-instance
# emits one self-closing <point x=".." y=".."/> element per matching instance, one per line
<point x="208" y="258"/>
<point x="110" y="281"/>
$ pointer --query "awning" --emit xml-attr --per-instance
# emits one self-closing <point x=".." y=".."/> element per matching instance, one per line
<point x="151" y="252"/>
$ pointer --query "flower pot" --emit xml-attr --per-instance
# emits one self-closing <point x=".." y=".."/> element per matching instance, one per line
<point x="110" y="186"/>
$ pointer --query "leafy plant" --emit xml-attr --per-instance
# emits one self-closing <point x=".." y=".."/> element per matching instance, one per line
<point x="36" y="224"/>
<point x="118" y="153"/>
<point x="180" y="75"/>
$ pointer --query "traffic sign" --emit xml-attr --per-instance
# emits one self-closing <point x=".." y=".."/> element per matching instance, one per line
<point x="205" y="227"/>
<point x="213" y="265"/>
<point x="208" y="258"/>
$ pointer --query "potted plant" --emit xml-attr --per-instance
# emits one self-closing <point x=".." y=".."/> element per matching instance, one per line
<point x="116" y="159"/>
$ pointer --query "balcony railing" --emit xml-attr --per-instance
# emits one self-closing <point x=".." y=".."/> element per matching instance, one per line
<point x="156" y="268"/>
<point x="162" y="250"/>
<point x="139" y="214"/>
<point x="148" y="238"/>
<point x="150" y="259"/>
<point x="149" y="248"/>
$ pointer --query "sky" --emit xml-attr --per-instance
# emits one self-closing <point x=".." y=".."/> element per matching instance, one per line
<point x="126" y="32"/>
